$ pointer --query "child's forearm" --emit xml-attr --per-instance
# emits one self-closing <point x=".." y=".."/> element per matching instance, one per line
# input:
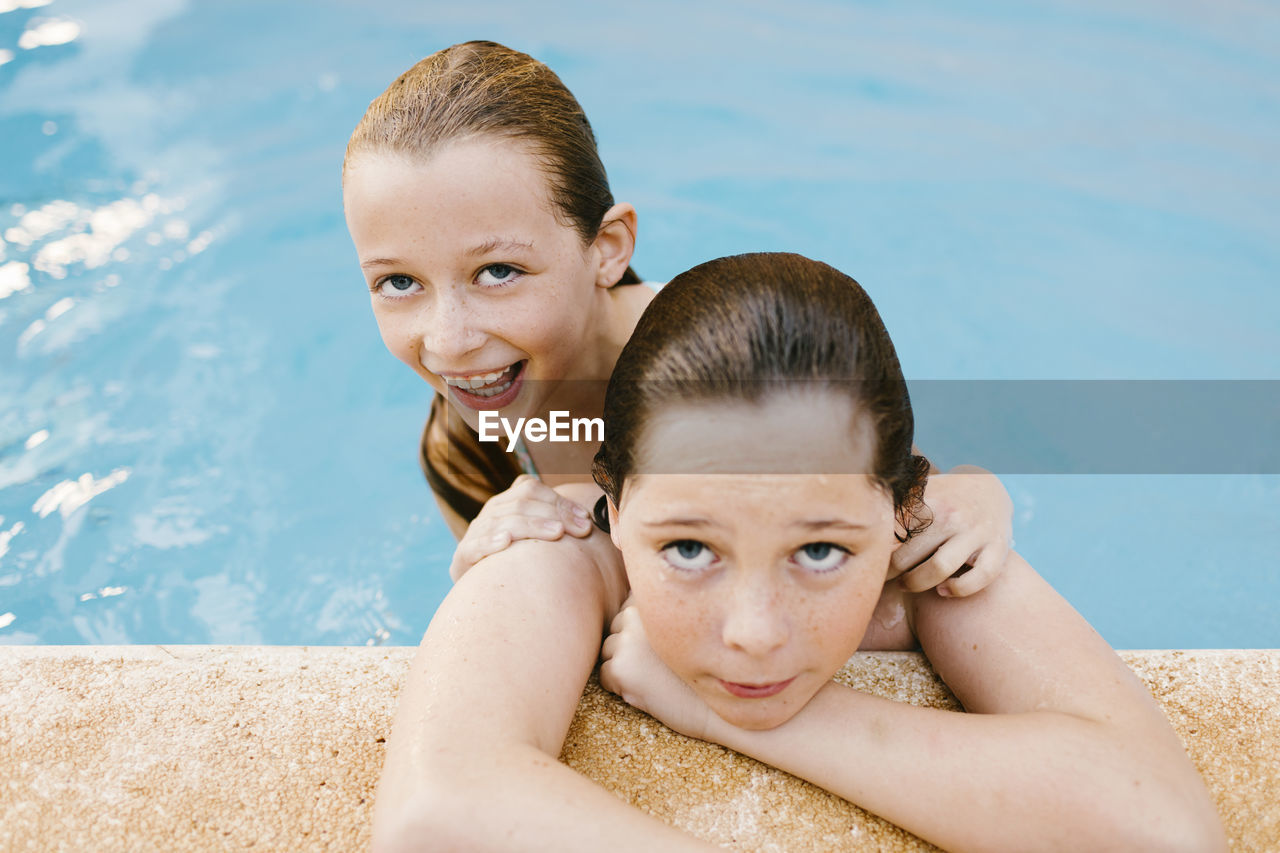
<point x="1019" y="782"/>
<point x="471" y="762"/>
<point x="502" y="798"/>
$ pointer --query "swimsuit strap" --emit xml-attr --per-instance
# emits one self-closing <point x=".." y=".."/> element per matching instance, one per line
<point x="526" y="461"/>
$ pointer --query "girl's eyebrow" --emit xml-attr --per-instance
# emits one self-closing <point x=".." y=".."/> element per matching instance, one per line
<point x="694" y="521"/>
<point x="494" y="244"/>
<point x="826" y="523"/>
<point x="810" y="524"/>
<point x="381" y="262"/>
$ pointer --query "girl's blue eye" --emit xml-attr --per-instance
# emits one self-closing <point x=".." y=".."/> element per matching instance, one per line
<point x="688" y="555"/>
<point x="496" y="275"/>
<point x="821" y="556"/>
<point x="395" y="285"/>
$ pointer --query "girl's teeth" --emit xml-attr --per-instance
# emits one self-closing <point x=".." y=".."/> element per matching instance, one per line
<point x="475" y="384"/>
<point x="492" y="392"/>
<point x="476" y="381"/>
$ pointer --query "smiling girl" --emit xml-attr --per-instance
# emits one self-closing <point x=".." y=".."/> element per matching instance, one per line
<point x="759" y="475"/>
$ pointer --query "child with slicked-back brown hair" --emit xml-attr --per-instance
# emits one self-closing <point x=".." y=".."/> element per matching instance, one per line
<point x="759" y="473"/>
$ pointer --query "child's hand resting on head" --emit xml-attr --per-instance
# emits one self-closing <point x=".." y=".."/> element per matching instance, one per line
<point x="632" y="670"/>
<point x="530" y="509"/>
<point x="972" y="527"/>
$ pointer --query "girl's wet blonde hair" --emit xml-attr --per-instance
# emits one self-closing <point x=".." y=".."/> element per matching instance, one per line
<point x="475" y="90"/>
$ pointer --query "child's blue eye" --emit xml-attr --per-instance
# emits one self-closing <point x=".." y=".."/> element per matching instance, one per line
<point x="497" y="274"/>
<point x="688" y="555"/>
<point x="395" y="285"/>
<point x="821" y="556"/>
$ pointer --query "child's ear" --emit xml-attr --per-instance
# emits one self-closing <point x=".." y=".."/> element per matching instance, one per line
<point x="613" y="524"/>
<point x="615" y="243"/>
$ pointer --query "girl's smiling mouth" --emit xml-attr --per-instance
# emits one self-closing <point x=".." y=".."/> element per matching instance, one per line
<point x="487" y="391"/>
<point x="756" y="691"/>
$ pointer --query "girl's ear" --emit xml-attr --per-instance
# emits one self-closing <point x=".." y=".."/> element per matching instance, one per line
<point x="613" y="524"/>
<point x="614" y="244"/>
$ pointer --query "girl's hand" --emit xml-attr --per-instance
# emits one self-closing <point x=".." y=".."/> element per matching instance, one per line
<point x="972" y="527"/>
<point x="632" y="670"/>
<point x="530" y="509"/>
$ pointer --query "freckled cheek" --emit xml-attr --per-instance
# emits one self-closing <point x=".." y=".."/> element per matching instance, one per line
<point x="553" y="342"/>
<point x="677" y="632"/>
<point x="400" y="340"/>
<point x="836" y="628"/>
<point x="688" y="654"/>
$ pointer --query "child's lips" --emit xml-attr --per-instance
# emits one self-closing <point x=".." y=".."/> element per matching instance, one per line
<point x="756" y="691"/>
<point x="490" y="395"/>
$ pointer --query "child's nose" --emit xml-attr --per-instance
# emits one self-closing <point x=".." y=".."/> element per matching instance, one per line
<point x="756" y="622"/>
<point x="449" y="328"/>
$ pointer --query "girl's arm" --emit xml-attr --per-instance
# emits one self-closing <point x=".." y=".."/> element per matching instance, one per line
<point x="472" y="757"/>
<point x="1063" y="747"/>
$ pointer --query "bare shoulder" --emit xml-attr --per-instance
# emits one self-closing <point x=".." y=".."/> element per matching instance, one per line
<point x="593" y="559"/>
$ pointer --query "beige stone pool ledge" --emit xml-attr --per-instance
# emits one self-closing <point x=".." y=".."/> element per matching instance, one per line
<point x="132" y="748"/>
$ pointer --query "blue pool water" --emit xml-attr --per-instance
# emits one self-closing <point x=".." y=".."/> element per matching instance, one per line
<point x="202" y="439"/>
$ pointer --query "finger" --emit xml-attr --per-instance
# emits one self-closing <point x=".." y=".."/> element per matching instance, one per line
<point x="526" y="527"/>
<point x="610" y="646"/>
<point x="524" y="488"/>
<point x="575" y="518"/>
<point x="479" y="547"/>
<point x="501" y="533"/>
<point x="986" y="568"/>
<point x="620" y="621"/>
<point x="473" y="548"/>
<point x="493" y="513"/>
<point x="532" y="507"/>
<point x="607" y="679"/>
<point x="912" y="553"/>
<point x="543" y="503"/>
<point x="528" y="486"/>
<point x="942" y="565"/>
<point x="522" y="481"/>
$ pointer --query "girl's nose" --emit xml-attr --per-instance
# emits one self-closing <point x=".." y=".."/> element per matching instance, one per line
<point x="449" y="329"/>
<point x="756" y="622"/>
